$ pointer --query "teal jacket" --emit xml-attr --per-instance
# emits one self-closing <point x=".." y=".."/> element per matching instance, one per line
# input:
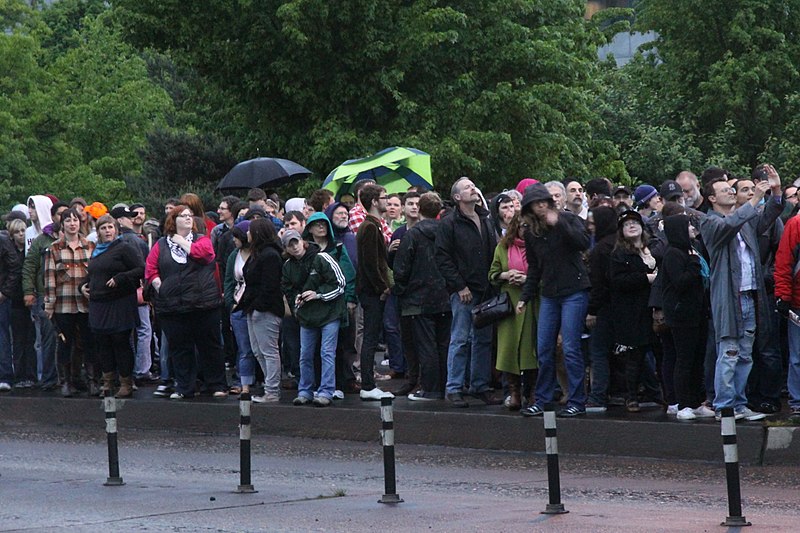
<point x="318" y="272"/>
<point x="338" y="251"/>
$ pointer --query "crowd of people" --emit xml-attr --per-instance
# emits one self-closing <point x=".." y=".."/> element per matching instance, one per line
<point x="585" y="294"/>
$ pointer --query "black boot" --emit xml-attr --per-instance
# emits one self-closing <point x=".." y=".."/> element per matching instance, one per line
<point x="65" y="375"/>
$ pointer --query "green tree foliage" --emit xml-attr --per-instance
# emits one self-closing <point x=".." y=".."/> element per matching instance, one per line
<point x="719" y="86"/>
<point x="73" y="113"/>
<point x="496" y="89"/>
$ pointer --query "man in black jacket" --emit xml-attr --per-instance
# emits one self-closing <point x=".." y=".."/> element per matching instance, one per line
<point x="424" y="300"/>
<point x="464" y="250"/>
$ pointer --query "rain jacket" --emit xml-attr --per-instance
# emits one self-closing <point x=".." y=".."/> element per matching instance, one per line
<point x="338" y="251"/>
<point x="318" y="272"/>
<point x="719" y="235"/>
<point x="418" y="283"/>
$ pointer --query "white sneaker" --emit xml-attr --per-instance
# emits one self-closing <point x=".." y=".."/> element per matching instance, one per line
<point x="703" y="412"/>
<point x="673" y="409"/>
<point x="687" y="413"/>
<point x="374" y="394"/>
<point x="385" y="362"/>
<point x="749" y="414"/>
<point x="5" y="387"/>
<point x="338" y="395"/>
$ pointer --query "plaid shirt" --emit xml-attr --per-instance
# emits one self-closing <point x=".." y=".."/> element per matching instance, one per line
<point x="65" y="270"/>
<point x="358" y="216"/>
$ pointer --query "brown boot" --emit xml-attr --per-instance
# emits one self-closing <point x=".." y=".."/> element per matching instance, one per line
<point x="515" y="398"/>
<point x="125" y="387"/>
<point x="108" y="384"/>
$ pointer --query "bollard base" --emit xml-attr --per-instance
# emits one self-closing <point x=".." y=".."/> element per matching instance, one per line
<point x="736" y="521"/>
<point x="391" y="498"/>
<point x="113" y="482"/>
<point x="245" y="489"/>
<point x="554" y="508"/>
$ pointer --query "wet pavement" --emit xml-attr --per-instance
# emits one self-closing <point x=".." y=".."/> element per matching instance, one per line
<point x="51" y="480"/>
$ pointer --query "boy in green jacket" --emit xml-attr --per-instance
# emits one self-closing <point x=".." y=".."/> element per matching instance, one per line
<point x="314" y="287"/>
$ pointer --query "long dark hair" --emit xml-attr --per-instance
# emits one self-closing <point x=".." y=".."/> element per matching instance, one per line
<point x="628" y="246"/>
<point x="512" y="231"/>
<point x="262" y="233"/>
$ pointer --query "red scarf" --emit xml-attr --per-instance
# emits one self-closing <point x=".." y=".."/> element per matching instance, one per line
<point x="517" y="260"/>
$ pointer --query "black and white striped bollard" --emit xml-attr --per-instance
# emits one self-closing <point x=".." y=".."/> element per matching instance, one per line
<point x="110" y="407"/>
<point x="551" y="449"/>
<point x="731" y="450"/>
<point x="387" y="438"/>
<point x="245" y="483"/>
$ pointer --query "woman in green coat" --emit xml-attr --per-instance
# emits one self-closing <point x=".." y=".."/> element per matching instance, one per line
<point x="516" y="342"/>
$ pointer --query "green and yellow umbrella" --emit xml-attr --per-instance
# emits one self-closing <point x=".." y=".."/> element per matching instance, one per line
<point x="396" y="168"/>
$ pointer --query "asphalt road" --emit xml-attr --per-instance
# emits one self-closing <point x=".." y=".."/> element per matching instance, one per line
<point x="51" y="479"/>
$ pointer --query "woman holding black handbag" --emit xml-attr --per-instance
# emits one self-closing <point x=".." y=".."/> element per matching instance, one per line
<point x="516" y="349"/>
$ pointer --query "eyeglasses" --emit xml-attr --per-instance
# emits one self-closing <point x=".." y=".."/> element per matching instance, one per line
<point x="220" y="208"/>
<point x="726" y="189"/>
<point x="383" y="197"/>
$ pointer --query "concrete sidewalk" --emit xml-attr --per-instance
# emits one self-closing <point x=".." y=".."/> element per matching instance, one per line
<point x="650" y="433"/>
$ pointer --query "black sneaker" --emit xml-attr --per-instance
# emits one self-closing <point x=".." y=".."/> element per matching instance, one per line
<point x="571" y="411"/>
<point x="456" y="400"/>
<point x="768" y="408"/>
<point x="532" y="410"/>
<point x="163" y="391"/>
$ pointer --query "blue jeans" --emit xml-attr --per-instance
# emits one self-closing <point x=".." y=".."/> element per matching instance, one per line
<point x="467" y="341"/>
<point x="794" y="365"/>
<point x="246" y="363"/>
<point x="144" y="337"/>
<point x="308" y="347"/>
<point x="46" y="344"/>
<point x="6" y="360"/>
<point x="735" y="359"/>
<point x="565" y="314"/>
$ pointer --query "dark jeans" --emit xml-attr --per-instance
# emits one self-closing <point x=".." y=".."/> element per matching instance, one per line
<point x="290" y="345"/>
<point x="195" y="331"/>
<point x="115" y="352"/>
<point x="690" y="348"/>
<point x="766" y="377"/>
<point x="345" y="351"/>
<point x="391" y="334"/>
<point x="601" y="344"/>
<point x="373" y="325"/>
<point x="24" y="337"/>
<point x="72" y="326"/>
<point x="634" y="360"/>
<point x="668" y="367"/>
<point x="431" y="335"/>
<point x="409" y="349"/>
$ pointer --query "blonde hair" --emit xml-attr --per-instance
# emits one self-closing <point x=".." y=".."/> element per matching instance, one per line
<point x="16" y="224"/>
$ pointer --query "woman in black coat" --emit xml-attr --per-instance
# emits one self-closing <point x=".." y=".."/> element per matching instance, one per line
<point x="115" y="272"/>
<point x="632" y="269"/>
<point x="685" y="312"/>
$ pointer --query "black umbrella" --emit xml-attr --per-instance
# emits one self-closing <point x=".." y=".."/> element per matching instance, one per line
<point x="262" y="171"/>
